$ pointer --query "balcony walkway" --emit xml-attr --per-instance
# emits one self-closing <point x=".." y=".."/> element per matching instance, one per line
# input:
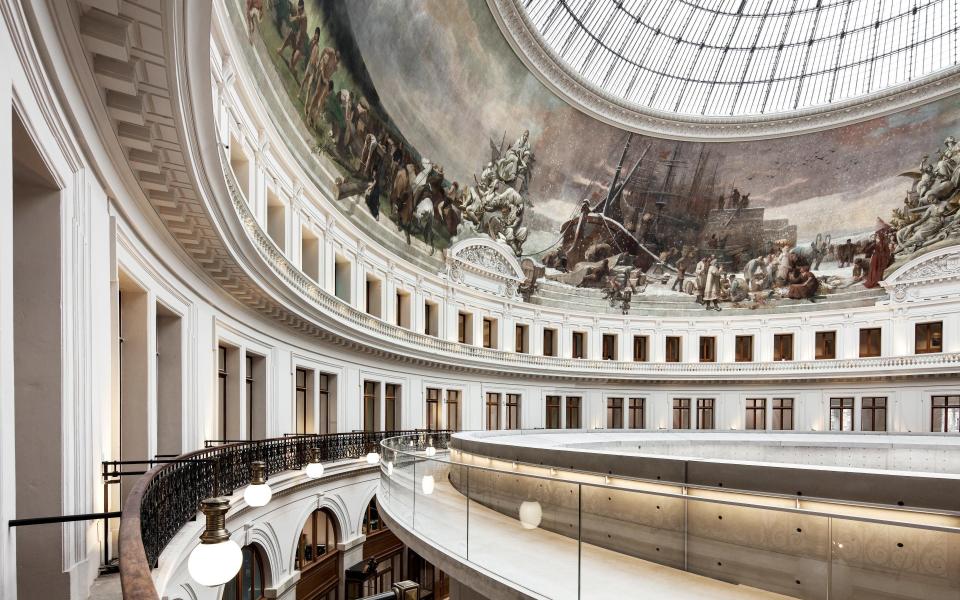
<point x="540" y="563"/>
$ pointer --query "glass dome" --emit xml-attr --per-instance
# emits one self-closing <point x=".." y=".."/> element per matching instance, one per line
<point x="723" y="58"/>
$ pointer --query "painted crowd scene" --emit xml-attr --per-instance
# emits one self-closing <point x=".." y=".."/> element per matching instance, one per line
<point x="440" y="132"/>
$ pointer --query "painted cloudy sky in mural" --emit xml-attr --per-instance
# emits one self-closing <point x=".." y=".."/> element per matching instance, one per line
<point x="450" y="82"/>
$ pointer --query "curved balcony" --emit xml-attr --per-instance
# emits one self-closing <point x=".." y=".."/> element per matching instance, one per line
<point x="168" y="496"/>
<point x="432" y="348"/>
<point x="513" y="529"/>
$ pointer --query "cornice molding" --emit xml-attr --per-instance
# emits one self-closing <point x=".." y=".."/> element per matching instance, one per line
<point x="556" y="75"/>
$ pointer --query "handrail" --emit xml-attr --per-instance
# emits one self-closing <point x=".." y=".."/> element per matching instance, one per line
<point x="167" y="497"/>
<point x="333" y="306"/>
<point x="618" y="515"/>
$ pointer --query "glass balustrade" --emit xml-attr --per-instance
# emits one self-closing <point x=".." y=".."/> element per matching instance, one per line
<point x="564" y="534"/>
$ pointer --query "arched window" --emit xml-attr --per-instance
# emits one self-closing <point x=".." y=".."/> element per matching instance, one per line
<point x="371" y="519"/>
<point x="318" y="540"/>
<point x="250" y="581"/>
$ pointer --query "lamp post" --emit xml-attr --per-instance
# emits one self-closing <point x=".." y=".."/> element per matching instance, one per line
<point x="217" y="558"/>
<point x="258" y="493"/>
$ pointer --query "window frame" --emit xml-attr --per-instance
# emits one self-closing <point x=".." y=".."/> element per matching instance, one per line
<point x="672" y="342"/>
<point x="680" y="408"/>
<point x="573" y="409"/>
<point x="948" y="406"/>
<point x="779" y="345"/>
<point x="755" y="411"/>
<point x="738" y="354"/>
<point x="494" y="423"/>
<point x="432" y="413"/>
<point x="641" y="347"/>
<point x="841" y="413"/>
<point x="778" y="410"/>
<point x="825" y="345"/>
<point x="553" y="404"/>
<point x="637" y="406"/>
<point x="512" y="409"/>
<point x="708" y="349"/>
<point x="614" y="412"/>
<point x="706" y="413"/>
<point x="870" y="352"/>
<point x="933" y="337"/>
<point x="876" y="410"/>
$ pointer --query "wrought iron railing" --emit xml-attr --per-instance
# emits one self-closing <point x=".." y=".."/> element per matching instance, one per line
<point x="168" y="496"/>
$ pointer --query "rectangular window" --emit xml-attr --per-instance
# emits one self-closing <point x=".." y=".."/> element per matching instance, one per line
<point x="433" y="409"/>
<point x="783" y="346"/>
<point x="841" y="414"/>
<point x="327" y="410"/>
<point x="370" y="405"/>
<point x="870" y="342"/>
<point x="929" y="337"/>
<point x="302" y="401"/>
<point x="391" y="407"/>
<point x="521" y="339"/>
<point x="705" y="413"/>
<point x="672" y="348"/>
<point x="640" y="343"/>
<point x="756" y="414"/>
<point x="945" y="417"/>
<point x="403" y="309"/>
<point x="488" y="333"/>
<point x="431" y="319"/>
<point x="250" y="394"/>
<point x="553" y="412"/>
<point x="373" y="297"/>
<point x="573" y="412"/>
<point x="614" y="413"/>
<point x="743" y="348"/>
<point x="578" y="350"/>
<point x="453" y="410"/>
<point x="493" y="411"/>
<point x="549" y="342"/>
<point x="873" y="413"/>
<point x="681" y="413"/>
<point x="222" y="389"/>
<point x="637" y="417"/>
<point x="781" y="417"/>
<point x="708" y="349"/>
<point x="826" y="345"/>
<point x="513" y="411"/>
<point x="464" y="328"/>
<point x="609" y="346"/>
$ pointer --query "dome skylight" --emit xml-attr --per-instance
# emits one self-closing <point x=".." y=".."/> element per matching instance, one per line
<point x="723" y="58"/>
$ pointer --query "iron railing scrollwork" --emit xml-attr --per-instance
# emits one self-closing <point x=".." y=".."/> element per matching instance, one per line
<point x="173" y="491"/>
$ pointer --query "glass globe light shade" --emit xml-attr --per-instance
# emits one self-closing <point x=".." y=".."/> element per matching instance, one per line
<point x="389" y="468"/>
<point x="428" y="484"/>
<point x="373" y="458"/>
<point x="257" y="494"/>
<point x="314" y="470"/>
<point x="215" y="564"/>
<point x="430" y="451"/>
<point x="531" y="513"/>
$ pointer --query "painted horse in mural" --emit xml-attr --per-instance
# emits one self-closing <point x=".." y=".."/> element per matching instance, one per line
<point x="812" y="254"/>
<point x="407" y="196"/>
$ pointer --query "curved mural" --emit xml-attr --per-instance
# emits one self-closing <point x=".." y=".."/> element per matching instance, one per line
<point x="433" y="120"/>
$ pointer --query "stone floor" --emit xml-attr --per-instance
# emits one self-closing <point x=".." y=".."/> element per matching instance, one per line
<point x="106" y="587"/>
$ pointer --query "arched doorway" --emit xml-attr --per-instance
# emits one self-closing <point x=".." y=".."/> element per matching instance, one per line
<point x="317" y="558"/>
<point x="251" y="580"/>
